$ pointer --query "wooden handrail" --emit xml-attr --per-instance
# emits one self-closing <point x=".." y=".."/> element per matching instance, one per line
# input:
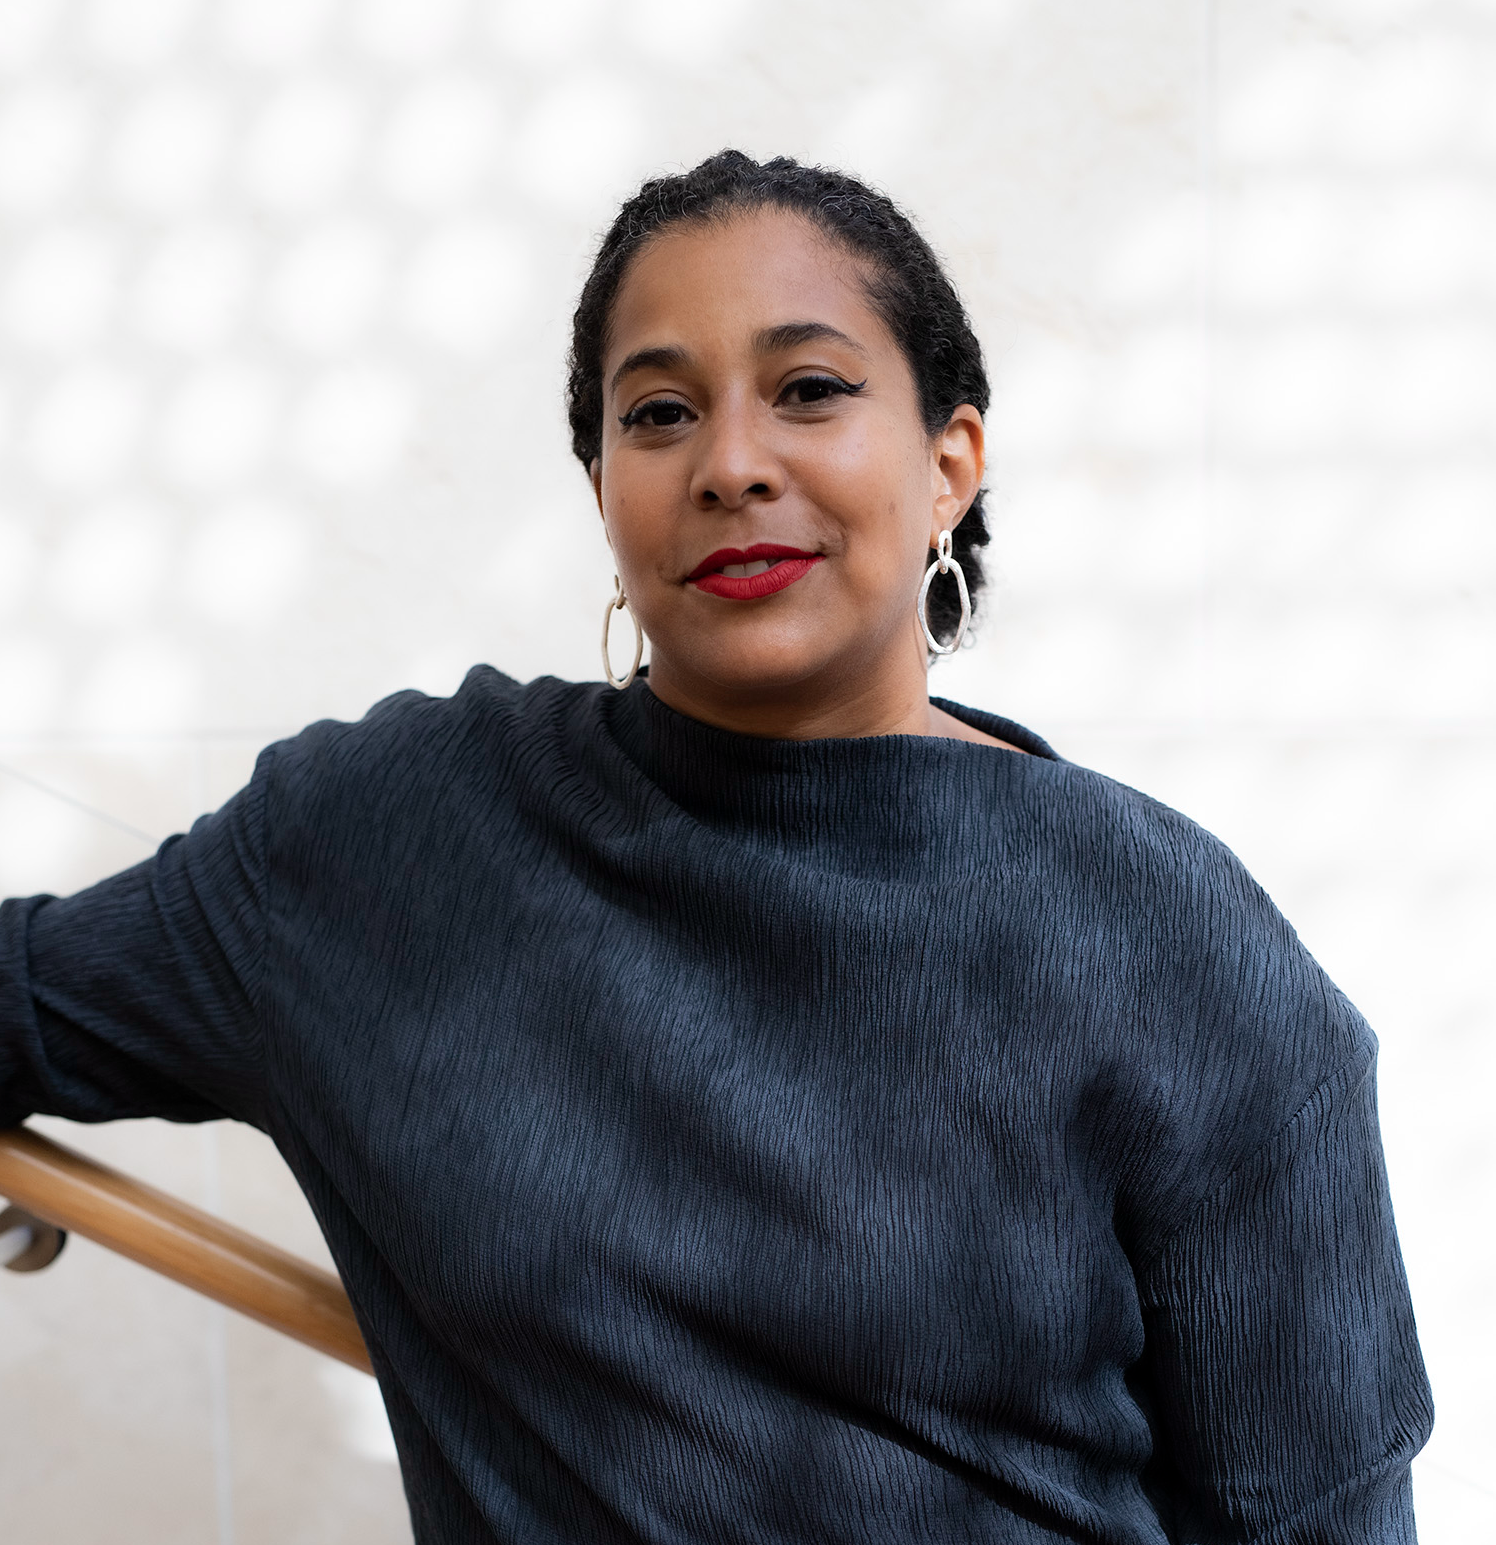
<point x="181" y="1242"/>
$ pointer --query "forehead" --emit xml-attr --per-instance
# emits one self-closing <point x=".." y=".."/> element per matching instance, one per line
<point x="722" y="283"/>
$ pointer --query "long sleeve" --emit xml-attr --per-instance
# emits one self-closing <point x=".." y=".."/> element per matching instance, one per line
<point x="135" y="997"/>
<point x="1288" y="1390"/>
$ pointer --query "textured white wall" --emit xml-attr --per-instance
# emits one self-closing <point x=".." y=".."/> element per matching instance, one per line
<point x="284" y="288"/>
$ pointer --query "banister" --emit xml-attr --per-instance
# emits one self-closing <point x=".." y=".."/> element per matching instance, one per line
<point x="190" y="1246"/>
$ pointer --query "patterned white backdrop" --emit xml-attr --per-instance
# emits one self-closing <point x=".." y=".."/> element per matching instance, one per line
<point x="284" y="289"/>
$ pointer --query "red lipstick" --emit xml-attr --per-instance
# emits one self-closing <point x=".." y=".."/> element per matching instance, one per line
<point x="785" y="566"/>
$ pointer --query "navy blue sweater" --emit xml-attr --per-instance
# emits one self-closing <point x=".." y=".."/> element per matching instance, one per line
<point x="893" y="1139"/>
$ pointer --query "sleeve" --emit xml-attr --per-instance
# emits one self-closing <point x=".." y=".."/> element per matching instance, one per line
<point x="1281" y="1359"/>
<point x="136" y="997"/>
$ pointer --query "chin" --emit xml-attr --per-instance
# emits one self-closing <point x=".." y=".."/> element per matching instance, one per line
<point x="748" y="666"/>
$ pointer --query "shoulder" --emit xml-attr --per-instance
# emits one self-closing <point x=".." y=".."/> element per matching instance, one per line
<point x="1118" y="841"/>
<point x="1101" y="836"/>
<point x="1221" y="1024"/>
<point x="412" y="729"/>
<point x="1209" y="932"/>
<point x="413" y="752"/>
<point x="1097" y="838"/>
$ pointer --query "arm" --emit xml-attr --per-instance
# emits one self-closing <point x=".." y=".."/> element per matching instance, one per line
<point x="136" y="997"/>
<point x="1282" y="1364"/>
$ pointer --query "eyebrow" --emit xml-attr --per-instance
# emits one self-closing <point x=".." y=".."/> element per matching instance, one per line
<point x="791" y="335"/>
<point x="665" y="357"/>
<point x="769" y="340"/>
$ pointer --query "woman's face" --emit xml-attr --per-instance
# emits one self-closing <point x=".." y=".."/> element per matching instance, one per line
<point x="766" y="481"/>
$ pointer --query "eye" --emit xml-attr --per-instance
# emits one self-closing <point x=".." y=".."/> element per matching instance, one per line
<point x="805" y="390"/>
<point x="657" y="413"/>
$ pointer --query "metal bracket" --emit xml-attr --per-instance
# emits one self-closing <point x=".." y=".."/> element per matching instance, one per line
<point x="26" y="1242"/>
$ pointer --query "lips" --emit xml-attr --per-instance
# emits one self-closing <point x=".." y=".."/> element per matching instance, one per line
<point x="770" y="567"/>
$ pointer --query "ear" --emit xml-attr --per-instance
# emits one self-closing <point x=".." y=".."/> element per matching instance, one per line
<point x="595" y="472"/>
<point x="957" y="463"/>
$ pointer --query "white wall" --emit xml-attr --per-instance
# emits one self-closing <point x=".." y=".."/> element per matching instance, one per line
<point x="284" y="288"/>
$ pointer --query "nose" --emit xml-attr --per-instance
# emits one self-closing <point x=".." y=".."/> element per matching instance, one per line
<point x="735" y="462"/>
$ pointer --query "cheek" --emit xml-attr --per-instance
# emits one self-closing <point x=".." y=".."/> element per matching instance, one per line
<point x="630" y="496"/>
<point x="875" y="483"/>
<point x="642" y="526"/>
<point x="878" y="452"/>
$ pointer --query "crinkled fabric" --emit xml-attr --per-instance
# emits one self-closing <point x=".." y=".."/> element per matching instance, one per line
<point x="734" y="1140"/>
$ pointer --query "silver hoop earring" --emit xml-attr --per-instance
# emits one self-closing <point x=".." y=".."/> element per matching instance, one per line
<point x="943" y="564"/>
<point x="620" y="603"/>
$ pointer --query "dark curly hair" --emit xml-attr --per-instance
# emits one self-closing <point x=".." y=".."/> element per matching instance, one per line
<point x="905" y="284"/>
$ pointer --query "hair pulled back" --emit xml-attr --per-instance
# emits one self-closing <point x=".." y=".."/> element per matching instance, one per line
<point x="905" y="285"/>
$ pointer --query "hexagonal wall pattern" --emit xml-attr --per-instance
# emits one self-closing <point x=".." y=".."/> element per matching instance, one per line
<point x="284" y="297"/>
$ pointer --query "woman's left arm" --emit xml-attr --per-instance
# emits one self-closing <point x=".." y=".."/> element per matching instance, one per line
<point x="1283" y="1367"/>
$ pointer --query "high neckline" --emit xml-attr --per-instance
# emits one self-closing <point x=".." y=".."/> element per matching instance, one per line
<point x="672" y="721"/>
<point x="722" y="775"/>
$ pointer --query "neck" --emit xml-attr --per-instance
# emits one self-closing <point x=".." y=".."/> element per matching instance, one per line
<point x="891" y="697"/>
<point x="888" y="698"/>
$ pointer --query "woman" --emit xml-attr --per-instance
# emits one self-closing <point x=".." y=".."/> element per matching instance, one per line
<point x="764" y="1103"/>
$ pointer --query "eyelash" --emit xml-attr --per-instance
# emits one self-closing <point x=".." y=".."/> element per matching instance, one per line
<point x="834" y="387"/>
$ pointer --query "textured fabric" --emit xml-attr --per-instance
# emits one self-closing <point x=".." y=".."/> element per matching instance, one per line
<point x="894" y="1139"/>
